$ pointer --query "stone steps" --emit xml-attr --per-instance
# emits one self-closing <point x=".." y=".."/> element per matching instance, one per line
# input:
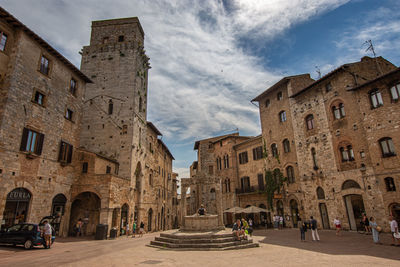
<point x="200" y="241"/>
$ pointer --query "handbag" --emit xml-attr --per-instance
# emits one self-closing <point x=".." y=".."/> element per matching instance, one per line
<point x="378" y="228"/>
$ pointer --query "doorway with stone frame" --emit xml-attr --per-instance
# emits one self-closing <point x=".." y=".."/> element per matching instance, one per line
<point x="324" y="216"/>
<point x="124" y="219"/>
<point x="17" y="207"/>
<point x="86" y="206"/>
<point x="355" y="208"/>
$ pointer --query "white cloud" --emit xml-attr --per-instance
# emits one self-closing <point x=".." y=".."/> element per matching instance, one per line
<point x="201" y="82"/>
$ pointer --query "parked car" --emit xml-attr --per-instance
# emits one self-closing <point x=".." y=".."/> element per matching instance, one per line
<point x="26" y="234"/>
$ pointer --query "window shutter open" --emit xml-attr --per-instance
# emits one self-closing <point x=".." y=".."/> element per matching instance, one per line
<point x="24" y="139"/>
<point x="39" y="144"/>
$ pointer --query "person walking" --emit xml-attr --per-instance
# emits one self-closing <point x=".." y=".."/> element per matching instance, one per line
<point x="78" y="227"/>
<point x="134" y="229"/>
<point x="47" y="231"/>
<point x="303" y="228"/>
<point x="281" y="222"/>
<point x="141" y="229"/>
<point x="338" y="226"/>
<point x="365" y="222"/>
<point x="394" y="228"/>
<point x="375" y="230"/>
<point x="314" y="230"/>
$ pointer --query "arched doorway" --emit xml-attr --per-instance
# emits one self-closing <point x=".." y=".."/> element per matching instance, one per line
<point x="294" y="212"/>
<point x="279" y="208"/>
<point x="57" y="209"/>
<point x="354" y="204"/>
<point x="149" y="219"/>
<point x="394" y="210"/>
<point x="17" y="207"/>
<point x="86" y="206"/>
<point x="324" y="215"/>
<point x="124" y="218"/>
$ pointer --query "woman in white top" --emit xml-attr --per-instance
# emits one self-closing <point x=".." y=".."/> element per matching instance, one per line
<point x="338" y="226"/>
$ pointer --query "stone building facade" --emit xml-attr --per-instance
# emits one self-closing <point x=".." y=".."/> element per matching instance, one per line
<point x="81" y="154"/>
<point x="335" y="132"/>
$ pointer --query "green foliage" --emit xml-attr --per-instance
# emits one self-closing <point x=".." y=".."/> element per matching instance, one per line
<point x="273" y="183"/>
<point x="265" y="151"/>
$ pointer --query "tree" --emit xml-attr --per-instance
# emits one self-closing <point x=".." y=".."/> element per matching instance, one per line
<point x="273" y="183"/>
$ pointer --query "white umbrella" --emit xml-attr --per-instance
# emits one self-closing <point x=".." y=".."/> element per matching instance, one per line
<point x="234" y="210"/>
<point x="253" y="209"/>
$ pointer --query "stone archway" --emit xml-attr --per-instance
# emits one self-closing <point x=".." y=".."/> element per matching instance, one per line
<point x="294" y="211"/>
<point x="86" y="206"/>
<point x="17" y="207"/>
<point x="355" y="208"/>
<point x="58" y="209"/>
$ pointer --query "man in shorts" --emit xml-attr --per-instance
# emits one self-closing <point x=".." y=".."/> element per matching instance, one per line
<point x="394" y="228"/>
<point x="47" y="231"/>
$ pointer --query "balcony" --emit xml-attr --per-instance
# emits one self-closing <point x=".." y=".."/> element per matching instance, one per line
<point x="247" y="190"/>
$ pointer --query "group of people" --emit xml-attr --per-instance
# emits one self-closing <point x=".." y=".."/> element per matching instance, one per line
<point x="242" y="227"/>
<point x="134" y="226"/>
<point x="376" y="229"/>
<point x="305" y="225"/>
<point x="278" y="222"/>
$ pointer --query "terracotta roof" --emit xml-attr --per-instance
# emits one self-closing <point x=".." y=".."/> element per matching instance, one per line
<point x="17" y="24"/>
<point x="154" y="128"/>
<point x="197" y="143"/>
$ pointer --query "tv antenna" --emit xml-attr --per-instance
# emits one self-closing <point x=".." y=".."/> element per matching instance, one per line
<point x="318" y="71"/>
<point x="371" y="48"/>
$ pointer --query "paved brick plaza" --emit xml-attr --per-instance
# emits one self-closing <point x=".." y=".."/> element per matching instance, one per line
<point x="277" y="248"/>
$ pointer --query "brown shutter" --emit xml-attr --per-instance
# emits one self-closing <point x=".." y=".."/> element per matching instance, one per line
<point x="39" y="144"/>
<point x="69" y="156"/>
<point x="24" y="139"/>
<point x="60" y="153"/>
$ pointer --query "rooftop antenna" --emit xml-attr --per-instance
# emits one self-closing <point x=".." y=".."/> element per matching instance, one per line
<point x="318" y="71"/>
<point x="371" y="48"/>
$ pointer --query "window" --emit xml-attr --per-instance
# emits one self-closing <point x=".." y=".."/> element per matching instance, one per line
<point x="226" y="161"/>
<point x="282" y="116"/>
<point x="140" y="104"/>
<point x="116" y="170"/>
<point x="257" y="153"/>
<point x="390" y="186"/>
<point x="328" y="87"/>
<point x="69" y="114"/>
<point x="245" y="183"/>
<point x="125" y="131"/>
<point x="243" y="158"/>
<point x="228" y="185"/>
<point x="310" y="122"/>
<point x="3" y="41"/>
<point x="314" y="158"/>
<point x="110" y="107"/>
<point x="108" y="169"/>
<point x="274" y="150"/>
<point x="376" y="98"/>
<point x="279" y="96"/>
<point x="72" y="86"/>
<point x="267" y="103"/>
<point x="44" y="65"/>
<point x="347" y="153"/>
<point x="260" y="178"/>
<point x="38" y="98"/>
<point x="65" y="153"/>
<point x="210" y="169"/>
<point x="120" y="38"/>
<point x="338" y="111"/>
<point x="387" y="147"/>
<point x="290" y="174"/>
<point x="219" y="164"/>
<point x="85" y="166"/>
<point x="32" y="141"/>
<point x="320" y="193"/>
<point x="286" y="146"/>
<point x="395" y="92"/>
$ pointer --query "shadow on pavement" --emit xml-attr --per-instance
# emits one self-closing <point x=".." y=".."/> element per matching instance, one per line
<point x="349" y="243"/>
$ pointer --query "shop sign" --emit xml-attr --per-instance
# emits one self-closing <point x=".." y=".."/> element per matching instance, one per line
<point x="19" y="194"/>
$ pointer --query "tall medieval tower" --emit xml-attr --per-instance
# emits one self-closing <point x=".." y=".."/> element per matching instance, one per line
<point x="114" y="120"/>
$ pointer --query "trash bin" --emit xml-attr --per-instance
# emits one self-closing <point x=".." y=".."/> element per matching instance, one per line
<point x="113" y="233"/>
<point x="101" y="232"/>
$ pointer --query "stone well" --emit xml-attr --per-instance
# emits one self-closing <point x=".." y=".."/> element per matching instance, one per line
<point x="202" y="223"/>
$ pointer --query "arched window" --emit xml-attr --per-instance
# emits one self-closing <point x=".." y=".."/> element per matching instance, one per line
<point x="350" y="184"/>
<point x="347" y="153"/>
<point x="282" y="116"/>
<point x="387" y="147"/>
<point x="212" y="193"/>
<point x="290" y="174"/>
<point x="110" y="107"/>
<point x="320" y="193"/>
<point x="314" y="158"/>
<point x="274" y="150"/>
<point x="286" y="146"/>
<point x="390" y="186"/>
<point x="219" y="167"/>
<point x="267" y="103"/>
<point x="338" y="111"/>
<point x="376" y="98"/>
<point x="226" y="161"/>
<point x="395" y="92"/>
<point x="310" y="122"/>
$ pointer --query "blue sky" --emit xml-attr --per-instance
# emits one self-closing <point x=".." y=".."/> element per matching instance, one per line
<point x="210" y="58"/>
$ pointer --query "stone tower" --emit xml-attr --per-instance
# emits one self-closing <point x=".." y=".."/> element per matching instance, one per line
<point x="114" y="121"/>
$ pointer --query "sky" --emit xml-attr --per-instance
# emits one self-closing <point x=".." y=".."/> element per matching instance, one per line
<point x="210" y="58"/>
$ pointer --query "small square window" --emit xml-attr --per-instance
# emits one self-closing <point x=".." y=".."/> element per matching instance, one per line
<point x="108" y="169"/>
<point x="38" y="98"/>
<point x="85" y="166"/>
<point x="120" y="38"/>
<point x="69" y="114"/>
<point x="44" y="65"/>
<point x="279" y="96"/>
